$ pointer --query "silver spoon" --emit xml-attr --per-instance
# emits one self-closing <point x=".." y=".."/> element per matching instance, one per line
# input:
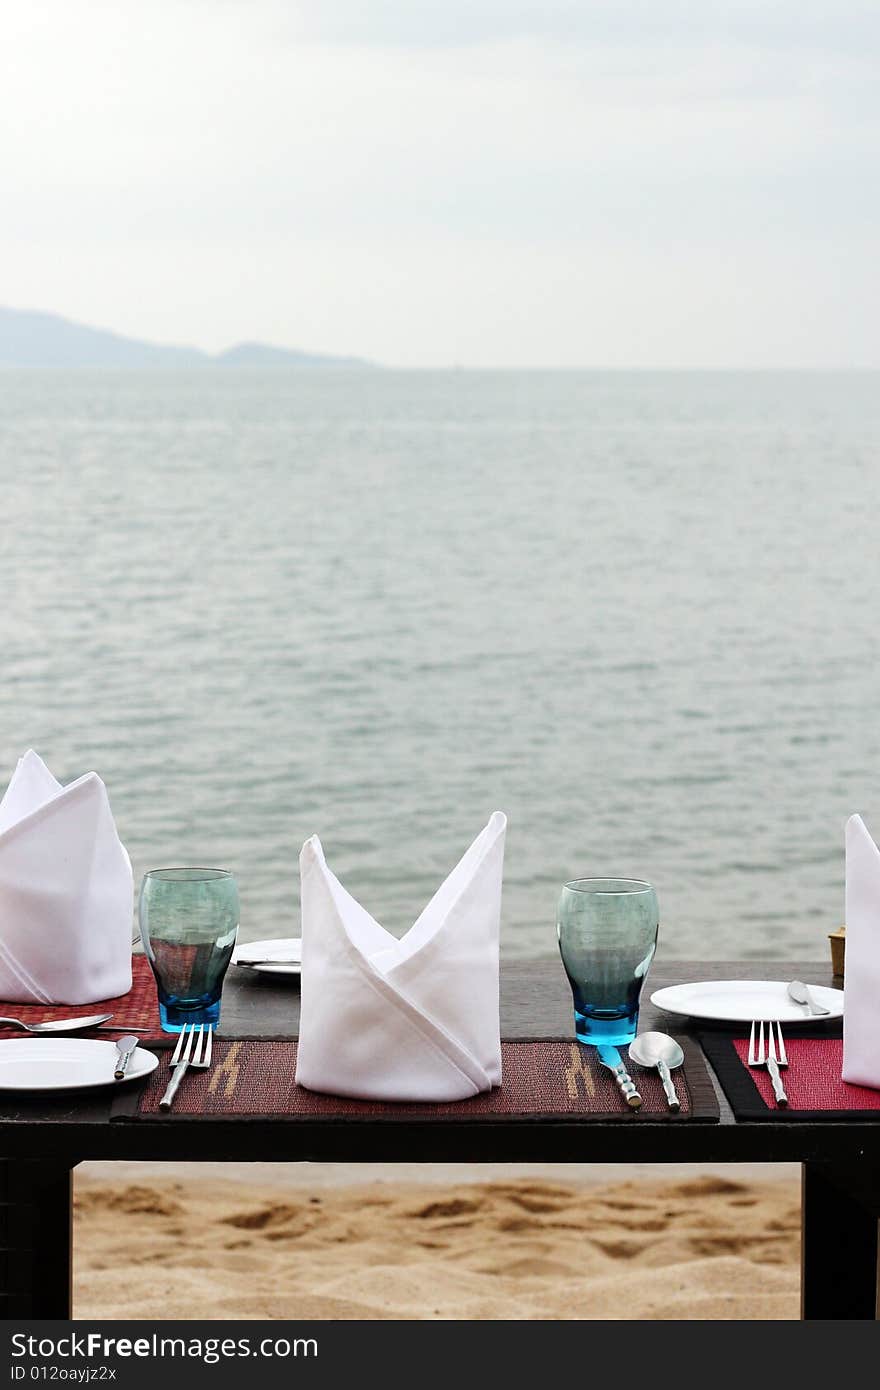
<point x="800" y="993"/>
<point x="660" y="1051"/>
<point x="57" y="1025"/>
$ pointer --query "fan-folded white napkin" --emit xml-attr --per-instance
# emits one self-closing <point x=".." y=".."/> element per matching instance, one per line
<point x="65" y="891"/>
<point x="861" y="986"/>
<point x="409" y="1019"/>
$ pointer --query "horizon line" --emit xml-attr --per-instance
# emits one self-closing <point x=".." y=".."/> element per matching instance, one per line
<point x="371" y="366"/>
<point x="355" y="361"/>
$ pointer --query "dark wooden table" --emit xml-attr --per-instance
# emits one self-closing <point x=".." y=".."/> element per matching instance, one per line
<point x="42" y="1142"/>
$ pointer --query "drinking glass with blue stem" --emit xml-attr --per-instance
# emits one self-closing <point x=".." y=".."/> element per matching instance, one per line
<point x="189" y="922"/>
<point x="607" y="931"/>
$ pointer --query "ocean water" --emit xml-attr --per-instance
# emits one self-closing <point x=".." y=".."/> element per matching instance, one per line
<point x="637" y="612"/>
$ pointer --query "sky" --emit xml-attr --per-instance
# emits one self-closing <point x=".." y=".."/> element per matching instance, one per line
<point x="510" y="183"/>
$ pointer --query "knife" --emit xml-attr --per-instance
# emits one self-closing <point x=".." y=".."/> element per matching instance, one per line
<point x="610" y="1058"/>
<point x="800" y="993"/>
<point x="125" y="1051"/>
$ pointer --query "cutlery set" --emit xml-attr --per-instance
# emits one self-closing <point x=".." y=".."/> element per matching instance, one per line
<point x="652" y="1052"/>
<point x="773" y="1055"/>
<point x="649" y="1050"/>
<point x="662" y="1053"/>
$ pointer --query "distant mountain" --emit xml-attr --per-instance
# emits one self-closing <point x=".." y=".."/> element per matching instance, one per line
<point x="260" y="355"/>
<point x="29" y="339"/>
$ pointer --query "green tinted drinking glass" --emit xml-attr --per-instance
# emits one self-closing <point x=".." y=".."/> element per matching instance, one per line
<point x="189" y="922"/>
<point x="607" y="931"/>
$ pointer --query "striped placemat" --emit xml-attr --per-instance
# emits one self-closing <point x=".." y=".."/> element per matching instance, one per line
<point x="255" y="1078"/>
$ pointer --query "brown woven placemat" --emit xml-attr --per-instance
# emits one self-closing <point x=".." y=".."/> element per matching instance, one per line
<point x="137" y="1009"/>
<point x="255" y="1078"/>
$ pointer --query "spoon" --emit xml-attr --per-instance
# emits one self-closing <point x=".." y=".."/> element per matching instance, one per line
<point x="57" y="1025"/>
<point x="660" y="1051"/>
<point x="799" y="992"/>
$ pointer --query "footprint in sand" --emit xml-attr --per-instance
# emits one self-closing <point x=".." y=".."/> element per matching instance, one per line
<point x="518" y="1225"/>
<point x="628" y="1205"/>
<point x="459" y="1206"/>
<point x="538" y="1205"/>
<point x="541" y="1190"/>
<point x="262" y="1218"/>
<point x="620" y="1249"/>
<point x="133" y="1200"/>
<point x="710" y="1185"/>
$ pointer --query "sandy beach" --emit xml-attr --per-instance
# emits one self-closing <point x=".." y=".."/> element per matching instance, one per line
<point x="339" y="1241"/>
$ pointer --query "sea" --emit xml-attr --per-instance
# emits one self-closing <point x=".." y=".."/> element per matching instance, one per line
<point x="637" y="612"/>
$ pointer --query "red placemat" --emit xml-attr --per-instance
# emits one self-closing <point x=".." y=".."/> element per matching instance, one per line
<point x="137" y="1009"/>
<point x="812" y="1079"/>
<point x="255" y="1077"/>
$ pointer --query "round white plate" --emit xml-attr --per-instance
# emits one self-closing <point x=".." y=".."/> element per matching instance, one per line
<point x="66" y="1064"/>
<point x="740" y="1001"/>
<point x="280" y="956"/>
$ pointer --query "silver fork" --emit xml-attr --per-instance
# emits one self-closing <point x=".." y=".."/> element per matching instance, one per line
<point x="782" y="1059"/>
<point x="761" y="1057"/>
<point x="193" y="1050"/>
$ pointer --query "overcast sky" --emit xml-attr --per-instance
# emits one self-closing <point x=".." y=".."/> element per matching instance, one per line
<point x="429" y="182"/>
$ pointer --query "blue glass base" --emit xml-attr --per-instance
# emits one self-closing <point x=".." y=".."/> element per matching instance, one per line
<point x="174" y="1017"/>
<point x="617" y="1030"/>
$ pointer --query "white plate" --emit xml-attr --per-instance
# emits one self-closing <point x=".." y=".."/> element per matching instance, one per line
<point x="280" y="956"/>
<point x="66" y="1064"/>
<point x="739" y="1001"/>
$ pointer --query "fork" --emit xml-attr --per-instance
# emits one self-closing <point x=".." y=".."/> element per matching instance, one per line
<point x="761" y="1057"/>
<point x="783" y="1059"/>
<point x="193" y="1050"/>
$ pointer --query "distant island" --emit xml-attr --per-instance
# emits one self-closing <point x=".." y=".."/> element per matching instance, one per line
<point x="31" y="339"/>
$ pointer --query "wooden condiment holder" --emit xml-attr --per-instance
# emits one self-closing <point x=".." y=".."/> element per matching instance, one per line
<point x="838" y="950"/>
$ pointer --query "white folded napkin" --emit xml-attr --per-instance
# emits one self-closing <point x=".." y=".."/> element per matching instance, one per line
<point x="65" y="891"/>
<point x="409" y="1019"/>
<point x="861" y="985"/>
